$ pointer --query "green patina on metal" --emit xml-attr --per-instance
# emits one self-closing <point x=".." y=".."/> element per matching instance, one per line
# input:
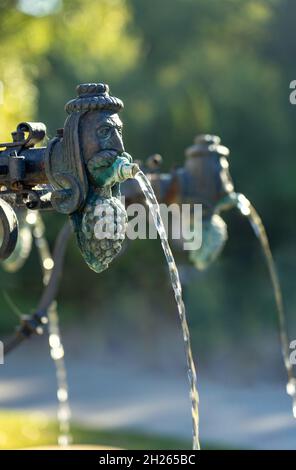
<point x="205" y="179"/>
<point x="214" y="237"/>
<point x="93" y="136"/>
<point x="78" y="173"/>
<point x="104" y="216"/>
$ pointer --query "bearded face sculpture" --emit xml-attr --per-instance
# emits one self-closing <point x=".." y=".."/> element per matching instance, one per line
<point x="90" y="171"/>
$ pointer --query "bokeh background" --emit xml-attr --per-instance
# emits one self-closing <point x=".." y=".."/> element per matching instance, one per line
<point x="182" y="67"/>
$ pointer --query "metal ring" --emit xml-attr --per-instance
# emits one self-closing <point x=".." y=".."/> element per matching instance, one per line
<point x="10" y="229"/>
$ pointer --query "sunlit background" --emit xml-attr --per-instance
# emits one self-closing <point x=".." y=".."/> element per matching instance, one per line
<point x="182" y="67"/>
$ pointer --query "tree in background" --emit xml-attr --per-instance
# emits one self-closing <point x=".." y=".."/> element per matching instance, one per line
<point x="182" y="67"/>
<point x="43" y="58"/>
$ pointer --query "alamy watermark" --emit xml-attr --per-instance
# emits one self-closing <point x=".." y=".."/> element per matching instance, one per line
<point x="182" y="222"/>
<point x="1" y="353"/>
<point x="292" y="96"/>
<point x="293" y="353"/>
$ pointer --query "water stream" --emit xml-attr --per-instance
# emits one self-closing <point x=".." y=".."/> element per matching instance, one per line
<point x="174" y="275"/>
<point x="55" y="343"/>
<point x="247" y="210"/>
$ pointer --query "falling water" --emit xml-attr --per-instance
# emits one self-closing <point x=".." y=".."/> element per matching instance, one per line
<point x="55" y="343"/>
<point x="174" y="275"/>
<point x="246" y="209"/>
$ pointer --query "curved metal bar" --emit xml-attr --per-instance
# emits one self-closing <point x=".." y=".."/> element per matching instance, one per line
<point x="50" y="292"/>
<point x="10" y="229"/>
<point x="34" y="324"/>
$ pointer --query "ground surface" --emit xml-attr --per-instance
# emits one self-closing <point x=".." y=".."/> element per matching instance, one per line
<point x="116" y="391"/>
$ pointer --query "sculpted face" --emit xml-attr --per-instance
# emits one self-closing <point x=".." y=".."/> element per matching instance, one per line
<point x="101" y="134"/>
<point x="101" y="139"/>
<point x="87" y="160"/>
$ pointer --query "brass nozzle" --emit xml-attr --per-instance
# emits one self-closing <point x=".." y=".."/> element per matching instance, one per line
<point x="126" y="170"/>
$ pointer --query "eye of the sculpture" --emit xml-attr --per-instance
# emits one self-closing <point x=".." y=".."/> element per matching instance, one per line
<point x="104" y="131"/>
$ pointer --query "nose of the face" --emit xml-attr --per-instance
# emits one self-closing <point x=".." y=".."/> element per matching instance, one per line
<point x="118" y="142"/>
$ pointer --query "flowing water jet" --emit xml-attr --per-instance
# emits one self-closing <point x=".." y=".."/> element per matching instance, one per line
<point x="206" y="174"/>
<point x="176" y="284"/>
<point x="247" y="210"/>
<point x="54" y="339"/>
<point x="78" y="174"/>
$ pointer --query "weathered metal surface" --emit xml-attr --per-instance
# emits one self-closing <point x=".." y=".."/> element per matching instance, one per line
<point x="9" y="230"/>
<point x="204" y="179"/>
<point x="79" y="170"/>
<point x="92" y="154"/>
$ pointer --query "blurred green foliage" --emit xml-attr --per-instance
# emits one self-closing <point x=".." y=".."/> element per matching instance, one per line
<point x="22" y="430"/>
<point x="182" y="67"/>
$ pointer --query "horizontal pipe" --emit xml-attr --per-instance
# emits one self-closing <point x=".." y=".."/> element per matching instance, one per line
<point x="34" y="167"/>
